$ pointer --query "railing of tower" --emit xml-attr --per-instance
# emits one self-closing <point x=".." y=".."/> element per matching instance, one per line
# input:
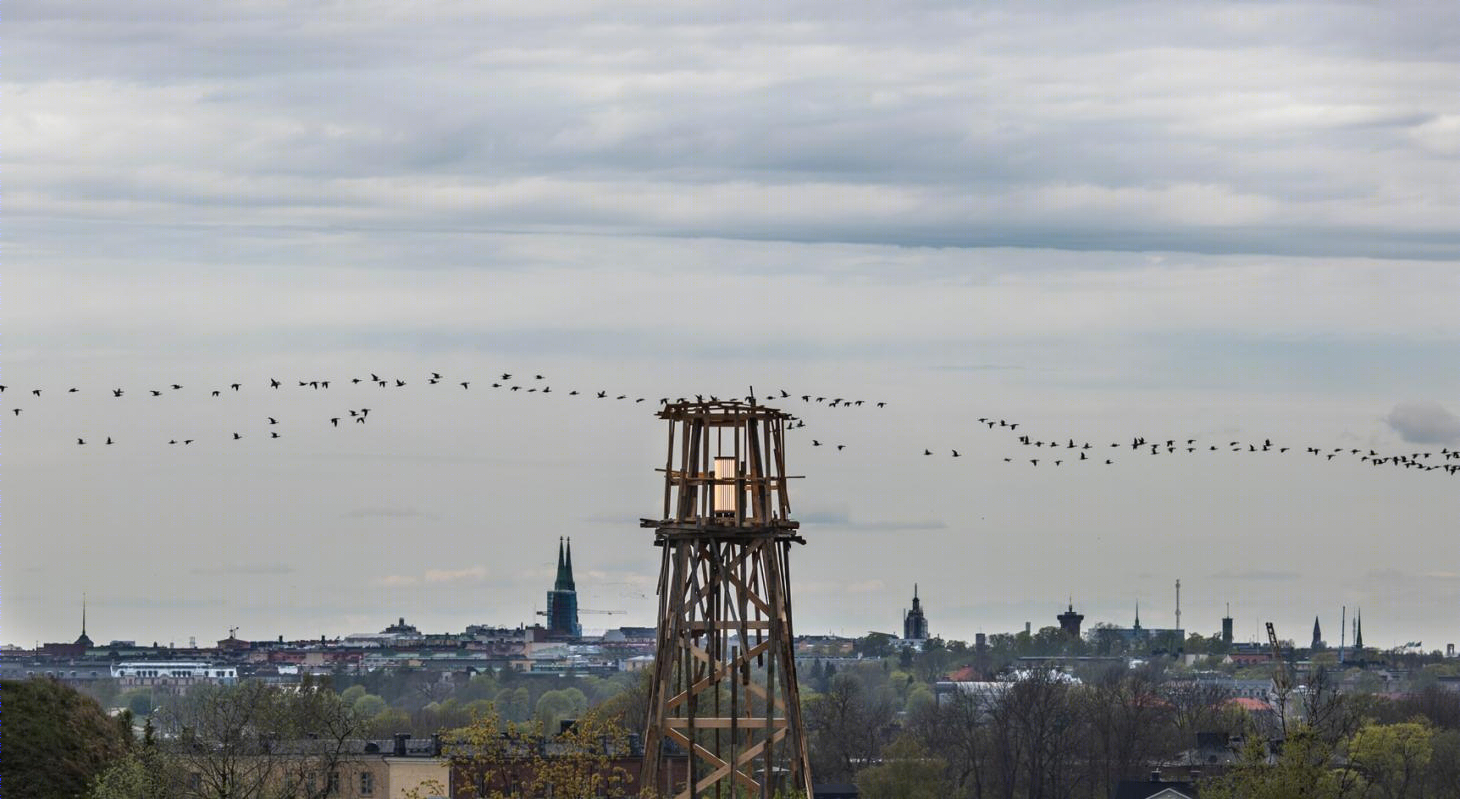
<point x="725" y="470"/>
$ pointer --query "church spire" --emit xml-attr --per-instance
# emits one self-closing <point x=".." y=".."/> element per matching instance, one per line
<point x="83" y="640"/>
<point x="1317" y="635"/>
<point x="564" y="581"/>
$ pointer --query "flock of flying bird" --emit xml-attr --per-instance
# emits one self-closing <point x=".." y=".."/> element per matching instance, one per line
<point x="1051" y="452"/>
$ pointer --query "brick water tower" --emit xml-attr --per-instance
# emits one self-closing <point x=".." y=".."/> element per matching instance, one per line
<point x="724" y="683"/>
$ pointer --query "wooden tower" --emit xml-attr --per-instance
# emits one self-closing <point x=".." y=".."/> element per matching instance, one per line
<point x="724" y="683"/>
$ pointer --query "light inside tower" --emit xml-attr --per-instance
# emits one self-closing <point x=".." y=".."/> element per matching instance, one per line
<point x="724" y="491"/>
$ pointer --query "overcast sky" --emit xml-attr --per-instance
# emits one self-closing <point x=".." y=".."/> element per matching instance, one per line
<point x="1235" y="222"/>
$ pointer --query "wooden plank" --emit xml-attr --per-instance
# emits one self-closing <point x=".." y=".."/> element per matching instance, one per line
<point x="707" y="722"/>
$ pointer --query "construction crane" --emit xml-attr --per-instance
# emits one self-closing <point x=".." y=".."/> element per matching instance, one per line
<point x="1280" y="678"/>
<point x="599" y="612"/>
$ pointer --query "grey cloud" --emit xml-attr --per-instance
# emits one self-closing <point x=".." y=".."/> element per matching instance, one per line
<point x="841" y="519"/>
<point x="158" y="603"/>
<point x="254" y="569"/>
<point x="1256" y="574"/>
<point x="388" y="513"/>
<point x="1424" y="423"/>
<point x="872" y="128"/>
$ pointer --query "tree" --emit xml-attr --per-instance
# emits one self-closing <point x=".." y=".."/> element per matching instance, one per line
<point x="257" y="741"/>
<point x="907" y="771"/>
<point x="140" y="774"/>
<point x="873" y="645"/>
<point x="55" y="740"/>
<point x="1301" y="772"/>
<point x="497" y="759"/>
<point x="845" y="726"/>
<point x="369" y="706"/>
<point x="1393" y="758"/>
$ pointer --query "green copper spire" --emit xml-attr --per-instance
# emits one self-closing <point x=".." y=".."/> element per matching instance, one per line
<point x="565" y="567"/>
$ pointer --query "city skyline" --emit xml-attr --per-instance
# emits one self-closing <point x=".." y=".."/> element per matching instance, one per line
<point x="1232" y="223"/>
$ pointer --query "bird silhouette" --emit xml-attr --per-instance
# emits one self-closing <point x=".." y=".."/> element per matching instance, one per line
<point x="335" y="420"/>
<point x="236" y="436"/>
<point x="116" y="392"/>
<point x="840" y="447"/>
<point x="80" y="441"/>
<point x="36" y="392"/>
<point x="956" y="455"/>
<point x="464" y="384"/>
<point x="17" y="411"/>
<point x="108" y="439"/>
<point x="175" y="387"/>
<point x="234" y="386"/>
<point x="156" y="393"/>
<point x="272" y="420"/>
<point x="815" y="443"/>
<point x="273" y="435"/>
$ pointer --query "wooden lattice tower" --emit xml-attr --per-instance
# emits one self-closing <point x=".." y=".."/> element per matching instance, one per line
<point x="724" y="684"/>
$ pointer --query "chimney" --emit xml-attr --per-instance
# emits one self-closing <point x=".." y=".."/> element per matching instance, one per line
<point x="400" y="743"/>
